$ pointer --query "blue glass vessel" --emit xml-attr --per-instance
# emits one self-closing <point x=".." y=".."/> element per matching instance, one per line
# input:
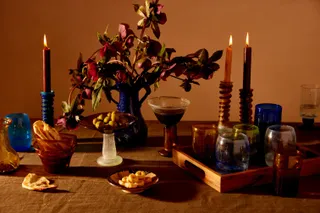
<point x="19" y="132"/>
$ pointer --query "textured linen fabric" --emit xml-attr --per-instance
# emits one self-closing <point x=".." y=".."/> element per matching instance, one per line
<point x="84" y="188"/>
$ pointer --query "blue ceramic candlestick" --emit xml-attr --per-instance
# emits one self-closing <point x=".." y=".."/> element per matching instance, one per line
<point x="47" y="107"/>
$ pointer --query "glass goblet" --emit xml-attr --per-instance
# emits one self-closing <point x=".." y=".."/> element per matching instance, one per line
<point x="169" y="110"/>
<point x="279" y="139"/>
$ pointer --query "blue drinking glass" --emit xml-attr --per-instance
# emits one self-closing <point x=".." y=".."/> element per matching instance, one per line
<point x="232" y="152"/>
<point x="266" y="114"/>
<point x="19" y="132"/>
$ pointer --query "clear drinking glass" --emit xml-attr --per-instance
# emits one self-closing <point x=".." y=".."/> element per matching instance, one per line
<point x="252" y="132"/>
<point x="20" y="133"/>
<point x="232" y="152"/>
<point x="279" y="139"/>
<point x="309" y="103"/>
<point x="169" y="110"/>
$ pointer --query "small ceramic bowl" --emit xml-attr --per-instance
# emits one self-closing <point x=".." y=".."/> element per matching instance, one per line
<point x="115" y="177"/>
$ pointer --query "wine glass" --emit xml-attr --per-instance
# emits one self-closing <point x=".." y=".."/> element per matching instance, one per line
<point x="309" y="104"/>
<point x="279" y="139"/>
<point x="169" y="110"/>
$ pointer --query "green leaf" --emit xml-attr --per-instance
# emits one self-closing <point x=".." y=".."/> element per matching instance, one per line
<point x="162" y="51"/>
<point x="203" y="56"/>
<point x="141" y="12"/>
<point x="156" y="85"/>
<point x="98" y="84"/>
<point x="141" y="23"/>
<point x="147" y="8"/>
<point x="216" y="56"/>
<point x="155" y="29"/>
<point x="96" y="98"/>
<point x="101" y="39"/>
<point x="65" y="107"/>
<point x="105" y="34"/>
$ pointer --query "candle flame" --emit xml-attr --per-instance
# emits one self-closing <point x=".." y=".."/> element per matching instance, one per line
<point x="230" y="40"/>
<point x="45" y="40"/>
<point x="247" y="39"/>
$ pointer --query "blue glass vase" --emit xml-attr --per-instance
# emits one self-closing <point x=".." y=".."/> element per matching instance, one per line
<point x="20" y="133"/>
<point x="129" y="102"/>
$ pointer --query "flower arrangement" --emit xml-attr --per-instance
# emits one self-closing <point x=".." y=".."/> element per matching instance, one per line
<point x="136" y="61"/>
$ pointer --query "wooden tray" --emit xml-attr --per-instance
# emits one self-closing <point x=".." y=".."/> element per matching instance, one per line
<point x="183" y="157"/>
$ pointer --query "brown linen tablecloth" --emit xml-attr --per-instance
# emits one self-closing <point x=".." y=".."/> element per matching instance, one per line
<point x="85" y="189"/>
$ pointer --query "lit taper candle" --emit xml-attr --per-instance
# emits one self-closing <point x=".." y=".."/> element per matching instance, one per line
<point x="227" y="73"/>
<point x="247" y="65"/>
<point x="46" y="66"/>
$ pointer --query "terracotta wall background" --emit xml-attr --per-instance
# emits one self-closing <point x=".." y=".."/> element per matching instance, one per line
<point x="284" y="35"/>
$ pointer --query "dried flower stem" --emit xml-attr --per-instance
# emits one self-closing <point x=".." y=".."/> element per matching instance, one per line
<point x="136" y="54"/>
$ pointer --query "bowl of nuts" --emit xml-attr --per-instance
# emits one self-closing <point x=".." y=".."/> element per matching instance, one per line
<point x="133" y="181"/>
<point x="108" y="122"/>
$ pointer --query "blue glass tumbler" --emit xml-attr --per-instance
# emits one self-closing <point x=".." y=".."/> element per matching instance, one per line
<point x="232" y="152"/>
<point x="19" y="132"/>
<point x="266" y="114"/>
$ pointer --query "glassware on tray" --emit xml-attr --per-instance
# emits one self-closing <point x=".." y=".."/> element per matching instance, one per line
<point x="279" y="139"/>
<point x="252" y="132"/>
<point x="266" y="114"/>
<point x="204" y="137"/>
<point x="232" y="152"/>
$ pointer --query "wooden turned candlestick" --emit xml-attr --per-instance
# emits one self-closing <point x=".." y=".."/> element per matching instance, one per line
<point x="246" y="106"/>
<point x="224" y="103"/>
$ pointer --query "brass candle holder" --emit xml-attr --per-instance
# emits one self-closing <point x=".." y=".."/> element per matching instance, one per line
<point x="246" y="106"/>
<point x="224" y="103"/>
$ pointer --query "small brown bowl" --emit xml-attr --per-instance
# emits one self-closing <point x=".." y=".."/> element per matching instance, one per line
<point x="115" y="177"/>
<point x="56" y="154"/>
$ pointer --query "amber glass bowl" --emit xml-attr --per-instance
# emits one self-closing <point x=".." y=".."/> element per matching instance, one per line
<point x="56" y="154"/>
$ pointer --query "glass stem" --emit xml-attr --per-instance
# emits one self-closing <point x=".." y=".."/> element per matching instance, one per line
<point x="170" y="137"/>
<point x="109" y="150"/>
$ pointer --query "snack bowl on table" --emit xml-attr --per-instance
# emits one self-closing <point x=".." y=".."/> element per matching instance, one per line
<point x="56" y="154"/>
<point x="124" y="120"/>
<point x="117" y="177"/>
<point x="108" y="123"/>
